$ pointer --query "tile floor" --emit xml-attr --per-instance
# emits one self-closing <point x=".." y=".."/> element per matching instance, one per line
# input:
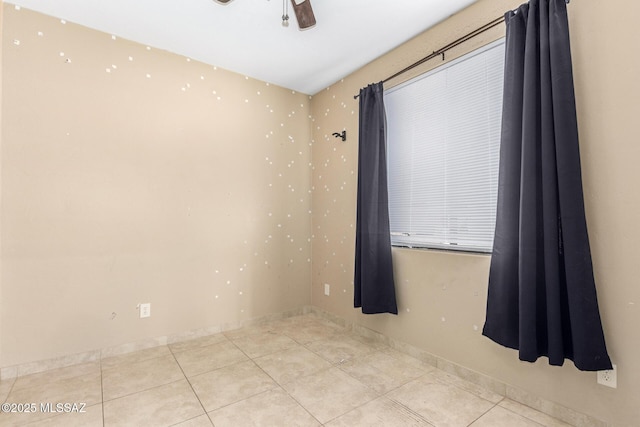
<point x="300" y="371"/>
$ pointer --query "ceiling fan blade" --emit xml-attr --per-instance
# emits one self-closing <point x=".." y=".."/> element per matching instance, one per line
<point x="304" y="13"/>
<point x="223" y="1"/>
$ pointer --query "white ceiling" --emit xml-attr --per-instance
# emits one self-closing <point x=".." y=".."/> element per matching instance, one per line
<point x="246" y="36"/>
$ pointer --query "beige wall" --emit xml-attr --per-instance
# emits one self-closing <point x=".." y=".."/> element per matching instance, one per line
<point x="442" y="295"/>
<point x="188" y="189"/>
<point x="1" y="47"/>
<point x="119" y="189"/>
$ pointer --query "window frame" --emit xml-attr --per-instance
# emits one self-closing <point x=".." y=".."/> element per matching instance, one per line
<point x="406" y="240"/>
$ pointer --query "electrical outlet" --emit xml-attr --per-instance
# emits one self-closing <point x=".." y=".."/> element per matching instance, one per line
<point x="608" y="377"/>
<point x="145" y="310"/>
<point x="327" y="289"/>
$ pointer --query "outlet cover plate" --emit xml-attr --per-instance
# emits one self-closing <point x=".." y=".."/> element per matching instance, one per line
<point x="327" y="289"/>
<point x="609" y="377"/>
<point x="145" y="310"/>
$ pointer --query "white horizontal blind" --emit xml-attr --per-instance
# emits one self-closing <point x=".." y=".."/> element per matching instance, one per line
<point x="443" y="148"/>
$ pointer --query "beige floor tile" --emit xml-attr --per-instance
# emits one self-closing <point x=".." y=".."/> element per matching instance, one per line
<point x="289" y="365"/>
<point x="470" y="376"/>
<point x="571" y="417"/>
<point x="409" y="360"/>
<point x="340" y="348"/>
<point x="5" y="387"/>
<point x="381" y="371"/>
<point x="277" y="326"/>
<point x="500" y="417"/>
<point x="165" y="405"/>
<point x="136" y="356"/>
<point x="313" y="317"/>
<point x="257" y="345"/>
<point x="260" y="328"/>
<point x="44" y="378"/>
<point x="271" y="408"/>
<point x="197" y="343"/>
<point x="441" y="404"/>
<point x="14" y="419"/>
<point x="130" y="378"/>
<point x="90" y="417"/>
<point x="327" y="374"/>
<point x="532" y="414"/>
<point x="375" y="342"/>
<point x="415" y="353"/>
<point x="230" y="384"/>
<point x="201" y="421"/>
<point x="381" y="412"/>
<point x="329" y="393"/>
<point x="311" y="330"/>
<point x="479" y="391"/>
<point x="204" y="359"/>
<point x="83" y="389"/>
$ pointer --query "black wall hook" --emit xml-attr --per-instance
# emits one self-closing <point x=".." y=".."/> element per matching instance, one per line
<point x="342" y="135"/>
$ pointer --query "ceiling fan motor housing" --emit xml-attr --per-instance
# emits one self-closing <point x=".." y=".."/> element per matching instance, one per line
<point x="304" y="14"/>
<point x="303" y="10"/>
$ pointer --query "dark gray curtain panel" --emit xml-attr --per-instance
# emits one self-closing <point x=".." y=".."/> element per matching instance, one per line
<point x="374" y="288"/>
<point x="542" y="295"/>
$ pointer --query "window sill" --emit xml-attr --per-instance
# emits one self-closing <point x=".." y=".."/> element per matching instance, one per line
<point x="450" y="250"/>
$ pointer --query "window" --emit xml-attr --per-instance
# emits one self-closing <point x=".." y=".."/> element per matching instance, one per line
<point x="443" y="151"/>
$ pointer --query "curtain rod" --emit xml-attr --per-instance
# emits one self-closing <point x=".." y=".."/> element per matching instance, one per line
<point x="442" y="50"/>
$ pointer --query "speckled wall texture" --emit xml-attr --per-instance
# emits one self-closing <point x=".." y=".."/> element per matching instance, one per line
<point x="442" y="295"/>
<point x="132" y="175"/>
